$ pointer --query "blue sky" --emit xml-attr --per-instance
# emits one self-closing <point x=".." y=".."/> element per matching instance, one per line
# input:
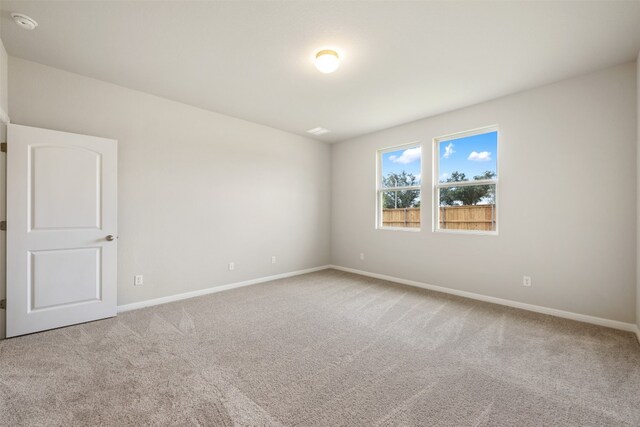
<point x="471" y="155"/>
<point x="406" y="159"/>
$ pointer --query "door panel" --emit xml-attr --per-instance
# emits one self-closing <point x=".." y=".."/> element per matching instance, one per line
<point x="65" y="197"/>
<point x="64" y="277"/>
<point x="61" y="205"/>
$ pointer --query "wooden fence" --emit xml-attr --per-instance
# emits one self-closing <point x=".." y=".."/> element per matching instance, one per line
<point x="404" y="217"/>
<point x="472" y="217"/>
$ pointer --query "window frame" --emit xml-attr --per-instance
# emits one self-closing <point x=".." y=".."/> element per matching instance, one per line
<point x="380" y="189"/>
<point x="437" y="185"/>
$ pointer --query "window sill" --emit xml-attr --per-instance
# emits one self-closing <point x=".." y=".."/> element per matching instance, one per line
<point x="467" y="232"/>
<point x="410" y="229"/>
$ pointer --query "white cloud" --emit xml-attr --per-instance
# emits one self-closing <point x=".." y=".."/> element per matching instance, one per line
<point x="448" y="150"/>
<point x="483" y="156"/>
<point x="444" y="176"/>
<point x="418" y="176"/>
<point x="409" y="155"/>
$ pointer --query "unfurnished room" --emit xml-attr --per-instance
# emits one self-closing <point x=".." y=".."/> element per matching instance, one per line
<point x="319" y="213"/>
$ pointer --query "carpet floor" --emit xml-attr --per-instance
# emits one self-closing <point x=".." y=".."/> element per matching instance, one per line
<point x="324" y="349"/>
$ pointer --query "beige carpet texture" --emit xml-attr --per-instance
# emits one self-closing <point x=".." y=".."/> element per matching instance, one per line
<point x="323" y="349"/>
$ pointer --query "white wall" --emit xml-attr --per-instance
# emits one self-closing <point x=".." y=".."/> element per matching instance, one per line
<point x="560" y="145"/>
<point x="567" y="200"/>
<point x="196" y="189"/>
<point x="4" y="89"/>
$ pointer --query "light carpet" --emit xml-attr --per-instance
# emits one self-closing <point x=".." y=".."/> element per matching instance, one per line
<point x="324" y="349"/>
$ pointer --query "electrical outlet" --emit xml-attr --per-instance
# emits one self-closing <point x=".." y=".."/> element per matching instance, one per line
<point x="273" y="260"/>
<point x="232" y="266"/>
<point x="361" y="256"/>
<point x="526" y="281"/>
<point x="138" y="280"/>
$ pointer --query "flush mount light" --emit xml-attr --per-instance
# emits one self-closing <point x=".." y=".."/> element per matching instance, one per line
<point x="24" y="21"/>
<point x="318" y="131"/>
<point x="327" y="61"/>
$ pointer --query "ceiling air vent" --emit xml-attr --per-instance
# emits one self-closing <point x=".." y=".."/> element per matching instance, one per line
<point x="318" y="131"/>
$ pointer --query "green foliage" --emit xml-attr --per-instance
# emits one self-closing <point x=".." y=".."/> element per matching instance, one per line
<point x="468" y="195"/>
<point x="403" y="198"/>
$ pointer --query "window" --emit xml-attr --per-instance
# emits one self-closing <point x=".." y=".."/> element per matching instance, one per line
<point x="399" y="180"/>
<point x="466" y="182"/>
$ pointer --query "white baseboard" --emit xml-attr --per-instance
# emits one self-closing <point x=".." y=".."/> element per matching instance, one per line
<point x="214" y="289"/>
<point x="615" y="324"/>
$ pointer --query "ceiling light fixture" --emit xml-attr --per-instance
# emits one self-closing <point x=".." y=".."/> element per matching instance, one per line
<point x="327" y="61"/>
<point x="24" y="21"/>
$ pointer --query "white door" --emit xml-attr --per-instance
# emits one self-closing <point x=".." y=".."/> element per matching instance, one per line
<point x="61" y="229"/>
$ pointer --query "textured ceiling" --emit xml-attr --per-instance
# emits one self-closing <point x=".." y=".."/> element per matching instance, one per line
<point x="253" y="60"/>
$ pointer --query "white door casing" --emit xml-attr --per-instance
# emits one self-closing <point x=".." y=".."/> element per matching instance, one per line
<point x="61" y="208"/>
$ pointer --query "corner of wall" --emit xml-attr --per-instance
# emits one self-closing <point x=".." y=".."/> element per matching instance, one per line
<point x="4" y="88"/>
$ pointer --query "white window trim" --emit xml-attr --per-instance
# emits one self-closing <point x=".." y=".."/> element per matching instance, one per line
<point x="380" y="189"/>
<point x="437" y="185"/>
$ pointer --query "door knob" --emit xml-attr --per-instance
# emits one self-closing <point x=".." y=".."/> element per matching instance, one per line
<point x="110" y="238"/>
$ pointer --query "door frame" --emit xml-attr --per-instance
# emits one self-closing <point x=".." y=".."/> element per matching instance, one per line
<point x="4" y="121"/>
